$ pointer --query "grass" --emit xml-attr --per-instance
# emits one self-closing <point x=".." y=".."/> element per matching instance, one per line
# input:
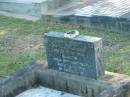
<point x="16" y="49"/>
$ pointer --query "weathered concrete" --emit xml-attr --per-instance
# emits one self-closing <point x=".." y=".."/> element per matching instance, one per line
<point x="81" y="55"/>
<point x="106" y="23"/>
<point x="120" y="84"/>
<point x="108" y="15"/>
<point x="111" y="85"/>
<point x="23" y="1"/>
<point x="23" y="8"/>
<point x="18" y="82"/>
<point x="30" y="8"/>
<point x="45" y="92"/>
<point x="56" y="4"/>
<point x="74" y="84"/>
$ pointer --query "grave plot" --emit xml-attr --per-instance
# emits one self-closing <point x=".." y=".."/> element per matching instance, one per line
<point x="61" y="82"/>
<point x="108" y="15"/>
<point x="30" y="9"/>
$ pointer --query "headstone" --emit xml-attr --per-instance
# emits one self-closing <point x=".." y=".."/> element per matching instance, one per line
<point x="80" y="55"/>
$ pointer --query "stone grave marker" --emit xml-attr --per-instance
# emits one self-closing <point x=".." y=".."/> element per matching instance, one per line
<point x="80" y="55"/>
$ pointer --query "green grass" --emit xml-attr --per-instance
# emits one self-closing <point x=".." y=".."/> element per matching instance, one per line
<point x="116" y="46"/>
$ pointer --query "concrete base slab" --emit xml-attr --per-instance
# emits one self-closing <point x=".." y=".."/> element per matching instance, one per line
<point x="45" y="92"/>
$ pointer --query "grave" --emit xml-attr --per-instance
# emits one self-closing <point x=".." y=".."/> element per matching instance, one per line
<point x="32" y="79"/>
<point x="30" y="9"/>
<point x="106" y="15"/>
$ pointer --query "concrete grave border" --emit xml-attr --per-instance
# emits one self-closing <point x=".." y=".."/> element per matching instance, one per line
<point x="33" y="75"/>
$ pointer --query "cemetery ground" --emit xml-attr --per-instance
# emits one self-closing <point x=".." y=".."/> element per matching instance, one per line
<point x="21" y="43"/>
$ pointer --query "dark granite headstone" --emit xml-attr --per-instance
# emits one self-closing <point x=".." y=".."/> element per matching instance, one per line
<point x="81" y="55"/>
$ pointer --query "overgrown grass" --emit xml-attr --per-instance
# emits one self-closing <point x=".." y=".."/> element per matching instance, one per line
<point x="116" y="46"/>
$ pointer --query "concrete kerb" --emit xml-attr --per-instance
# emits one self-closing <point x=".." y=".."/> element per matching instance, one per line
<point x="33" y="75"/>
<point x="103" y="23"/>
